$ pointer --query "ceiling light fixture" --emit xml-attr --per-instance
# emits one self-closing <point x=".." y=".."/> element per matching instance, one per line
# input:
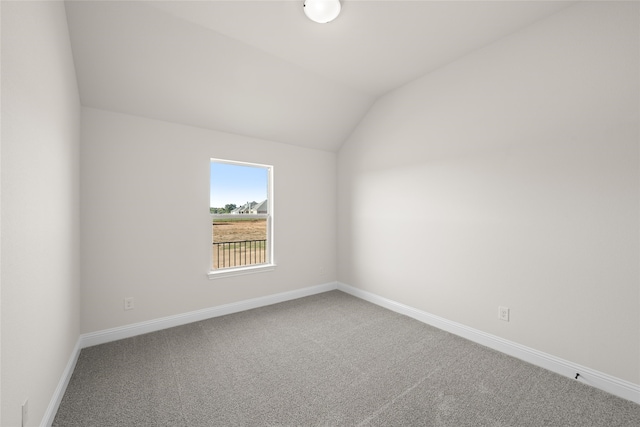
<point x="322" y="11"/>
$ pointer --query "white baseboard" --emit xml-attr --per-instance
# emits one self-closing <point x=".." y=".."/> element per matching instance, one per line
<point x="605" y="382"/>
<point x="54" y="403"/>
<point x="113" y="334"/>
<point x="592" y="377"/>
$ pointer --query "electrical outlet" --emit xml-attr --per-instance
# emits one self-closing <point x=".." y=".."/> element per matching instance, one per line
<point x="503" y="313"/>
<point x="128" y="303"/>
<point x="25" y="412"/>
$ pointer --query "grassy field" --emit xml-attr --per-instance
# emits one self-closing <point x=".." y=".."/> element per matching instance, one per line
<point x="236" y="230"/>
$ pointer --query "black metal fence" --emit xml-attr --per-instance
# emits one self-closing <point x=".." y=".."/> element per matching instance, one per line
<point x="238" y="254"/>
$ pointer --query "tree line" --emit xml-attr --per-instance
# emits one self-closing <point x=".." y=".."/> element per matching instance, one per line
<point x="227" y="209"/>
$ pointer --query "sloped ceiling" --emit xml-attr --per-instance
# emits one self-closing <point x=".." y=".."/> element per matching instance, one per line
<point x="262" y="69"/>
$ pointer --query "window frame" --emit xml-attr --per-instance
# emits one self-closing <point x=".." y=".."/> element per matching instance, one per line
<point x="270" y="264"/>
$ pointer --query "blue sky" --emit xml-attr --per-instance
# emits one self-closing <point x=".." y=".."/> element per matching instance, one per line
<point x="237" y="184"/>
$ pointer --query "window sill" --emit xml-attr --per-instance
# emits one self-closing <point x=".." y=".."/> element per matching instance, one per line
<point x="230" y="272"/>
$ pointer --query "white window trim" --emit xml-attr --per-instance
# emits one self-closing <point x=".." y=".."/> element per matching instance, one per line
<point x="270" y="265"/>
<point x="239" y="271"/>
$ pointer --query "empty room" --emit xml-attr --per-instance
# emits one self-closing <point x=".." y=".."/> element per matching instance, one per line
<point x="320" y="212"/>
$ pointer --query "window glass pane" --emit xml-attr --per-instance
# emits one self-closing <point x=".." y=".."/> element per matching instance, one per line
<point x="239" y="241"/>
<point x="239" y="206"/>
<point x="238" y="187"/>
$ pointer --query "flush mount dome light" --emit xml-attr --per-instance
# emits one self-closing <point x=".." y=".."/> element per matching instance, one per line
<point x="322" y="11"/>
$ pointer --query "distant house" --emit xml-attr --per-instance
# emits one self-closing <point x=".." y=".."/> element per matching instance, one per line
<point x="251" y="208"/>
<point x="262" y="207"/>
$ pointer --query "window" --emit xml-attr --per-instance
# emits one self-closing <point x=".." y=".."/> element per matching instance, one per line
<point x="241" y="208"/>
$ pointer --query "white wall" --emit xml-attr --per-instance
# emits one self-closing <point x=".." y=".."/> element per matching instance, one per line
<point x="146" y="229"/>
<point x="40" y="206"/>
<point x="510" y="177"/>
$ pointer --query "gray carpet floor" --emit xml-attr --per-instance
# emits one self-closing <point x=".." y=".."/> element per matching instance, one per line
<point x="328" y="359"/>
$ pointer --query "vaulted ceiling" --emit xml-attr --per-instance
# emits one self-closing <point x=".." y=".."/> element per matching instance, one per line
<point x="262" y="69"/>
